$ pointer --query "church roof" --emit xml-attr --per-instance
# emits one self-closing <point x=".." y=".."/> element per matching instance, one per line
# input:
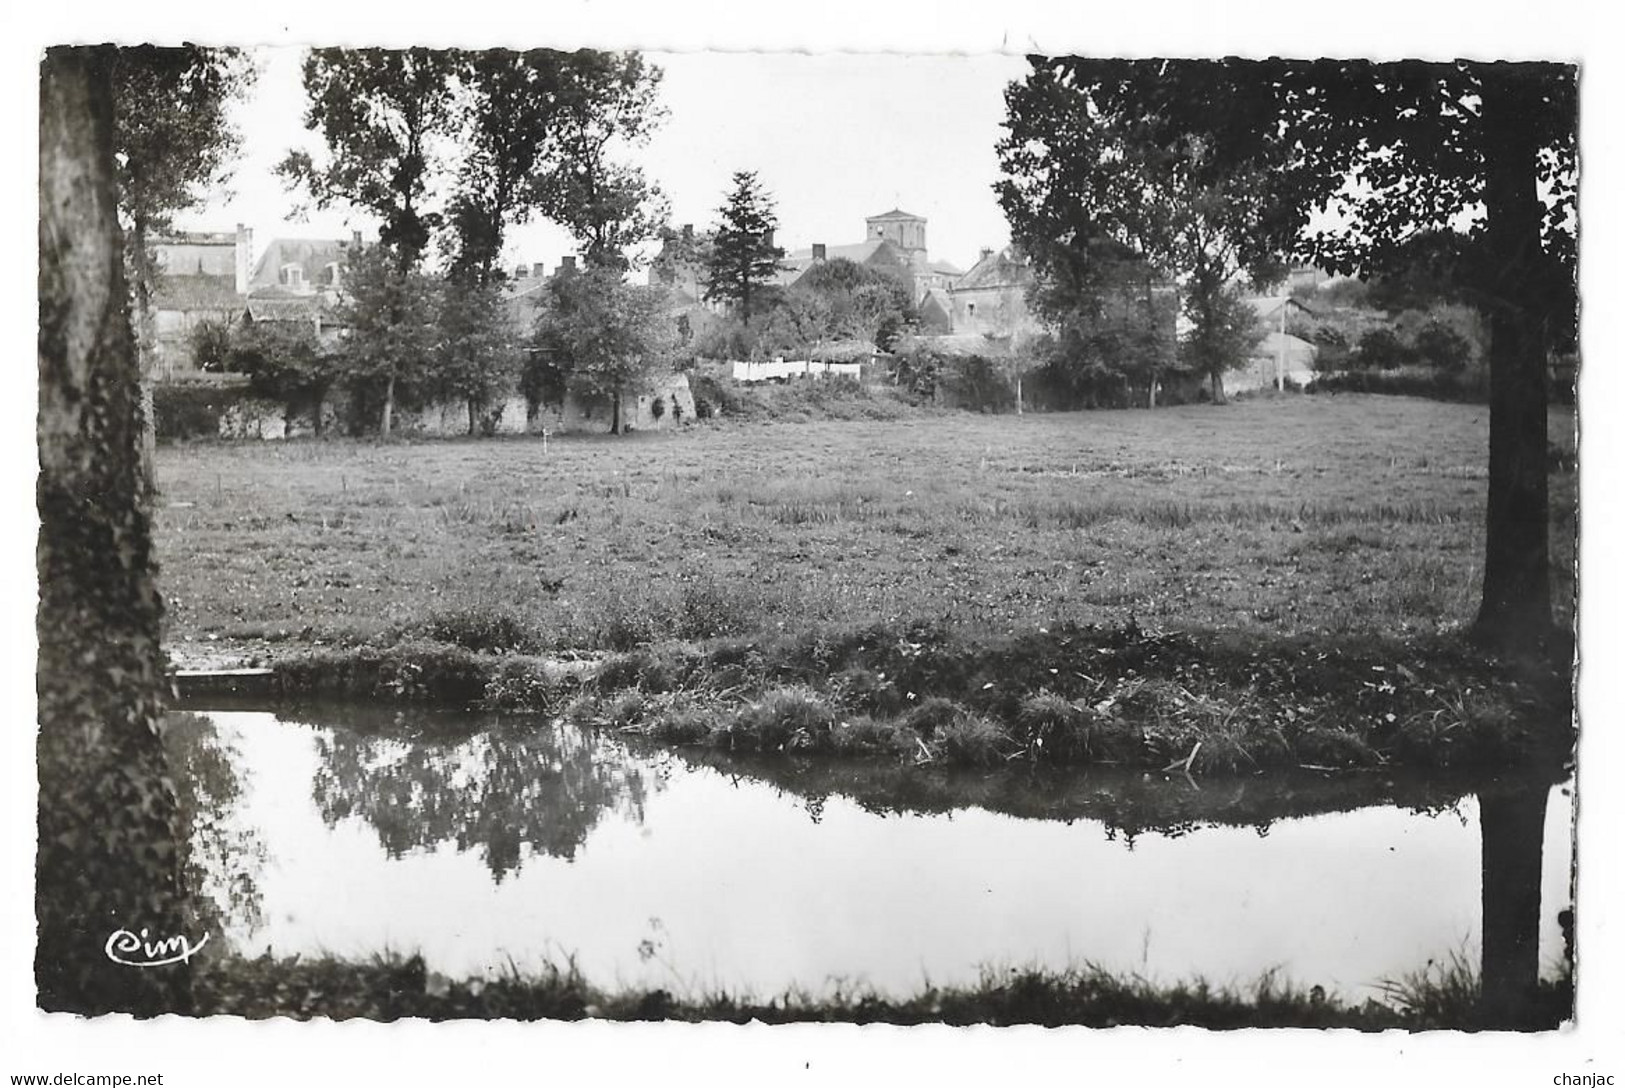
<point x="895" y="213"/>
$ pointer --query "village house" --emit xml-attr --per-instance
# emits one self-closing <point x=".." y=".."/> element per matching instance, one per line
<point x="991" y="298"/>
<point x="300" y="280"/>
<point x="1279" y="357"/>
<point x="201" y="277"/>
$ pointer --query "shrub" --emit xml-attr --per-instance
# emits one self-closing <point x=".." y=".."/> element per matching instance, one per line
<point x="1053" y="725"/>
<point x="193" y="409"/>
<point x="788" y="717"/>
<point x="1381" y="349"/>
<point x="974" y="740"/>
<point x="1443" y="347"/>
<point x="484" y="630"/>
<point x="933" y="716"/>
<point x="975" y="383"/>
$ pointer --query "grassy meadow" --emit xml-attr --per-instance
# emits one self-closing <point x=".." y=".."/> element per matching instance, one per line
<point x="1336" y="515"/>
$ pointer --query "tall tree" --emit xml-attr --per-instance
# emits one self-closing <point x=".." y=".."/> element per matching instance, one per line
<point x="478" y="350"/>
<point x="743" y="258"/>
<point x="174" y="144"/>
<point x="1396" y="148"/>
<point x="605" y="103"/>
<point x="607" y="337"/>
<point x="508" y="103"/>
<point x="393" y="343"/>
<point x="109" y="857"/>
<point x="380" y="113"/>
<point x="1106" y="175"/>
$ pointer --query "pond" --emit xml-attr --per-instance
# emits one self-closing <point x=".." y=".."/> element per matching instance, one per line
<point x="489" y="845"/>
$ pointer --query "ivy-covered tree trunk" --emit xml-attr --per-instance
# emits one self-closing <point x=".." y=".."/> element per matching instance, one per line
<point x="1516" y="613"/>
<point x="146" y="351"/>
<point x="108" y="855"/>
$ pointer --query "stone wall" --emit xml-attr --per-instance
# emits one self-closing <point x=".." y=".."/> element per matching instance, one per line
<point x="243" y="417"/>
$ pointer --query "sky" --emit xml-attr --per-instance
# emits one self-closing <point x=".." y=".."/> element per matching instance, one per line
<point x="833" y="138"/>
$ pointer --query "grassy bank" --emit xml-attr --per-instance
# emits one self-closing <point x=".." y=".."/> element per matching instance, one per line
<point x="1350" y="515"/>
<point x="1438" y="997"/>
<point x="1200" y="702"/>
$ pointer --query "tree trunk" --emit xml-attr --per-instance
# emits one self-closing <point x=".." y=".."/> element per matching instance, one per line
<point x="146" y="351"/>
<point x="388" y="419"/>
<point x="109" y="856"/>
<point x="472" y="416"/>
<point x="316" y="421"/>
<point x="1516" y="613"/>
<point x="1512" y="829"/>
<point x="1216" y="381"/>
<point x="615" y="413"/>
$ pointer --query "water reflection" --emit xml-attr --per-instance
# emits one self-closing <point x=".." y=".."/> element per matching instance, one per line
<point x="223" y="855"/>
<point x="491" y="845"/>
<point x="1512" y="824"/>
<point x="512" y="784"/>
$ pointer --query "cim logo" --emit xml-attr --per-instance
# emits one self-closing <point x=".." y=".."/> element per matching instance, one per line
<point x="125" y="948"/>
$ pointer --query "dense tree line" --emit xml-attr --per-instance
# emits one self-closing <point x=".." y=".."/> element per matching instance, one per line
<point x="511" y="135"/>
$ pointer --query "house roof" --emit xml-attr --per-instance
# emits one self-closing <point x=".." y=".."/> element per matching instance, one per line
<point x="313" y="255"/>
<point x="797" y="263"/>
<point x="1269" y="306"/>
<point x="1001" y="268"/>
<point x="196" y="253"/>
<point x="273" y="305"/>
<point x="195" y="293"/>
<point x="947" y="268"/>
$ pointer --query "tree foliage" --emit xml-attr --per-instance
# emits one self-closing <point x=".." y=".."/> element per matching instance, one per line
<point x="604" y="337"/>
<point x="606" y="102"/>
<point x="284" y="361"/>
<point x="1484" y="150"/>
<point x="478" y="350"/>
<point x="1112" y="322"/>
<point x="1085" y="163"/>
<point x="508" y="103"/>
<point x="379" y="113"/>
<point x="173" y="137"/>
<point x="743" y="258"/>
<point x="393" y="343"/>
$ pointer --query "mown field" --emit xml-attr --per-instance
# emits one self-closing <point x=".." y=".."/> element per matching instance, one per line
<point x="1302" y="515"/>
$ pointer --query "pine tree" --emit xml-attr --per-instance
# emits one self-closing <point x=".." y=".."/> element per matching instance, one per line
<point x="743" y="258"/>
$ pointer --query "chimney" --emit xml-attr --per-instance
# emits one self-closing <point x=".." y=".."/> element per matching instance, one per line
<point x="242" y="257"/>
<point x="538" y="270"/>
<point x="819" y="251"/>
<point x="355" y="238"/>
<point x="567" y="266"/>
<point x="688" y="232"/>
<point x="522" y="272"/>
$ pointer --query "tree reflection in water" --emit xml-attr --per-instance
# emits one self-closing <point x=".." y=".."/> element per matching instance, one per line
<point x="1512" y="822"/>
<point x="490" y="786"/>
<point x="222" y="854"/>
